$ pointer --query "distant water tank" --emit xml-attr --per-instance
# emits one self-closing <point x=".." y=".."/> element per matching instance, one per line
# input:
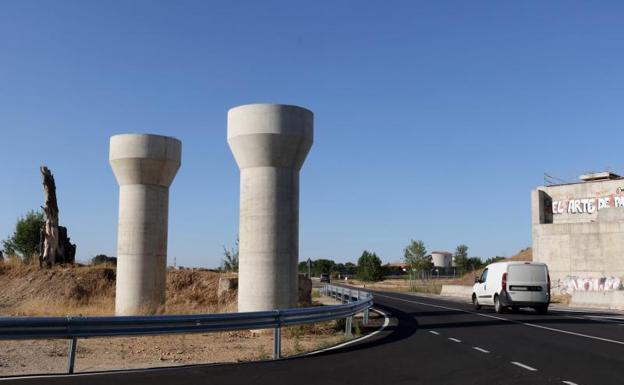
<point x="441" y="258"/>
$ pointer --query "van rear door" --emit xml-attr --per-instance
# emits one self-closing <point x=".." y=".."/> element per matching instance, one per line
<point x="527" y="282"/>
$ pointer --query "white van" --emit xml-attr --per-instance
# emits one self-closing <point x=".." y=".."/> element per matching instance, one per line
<point x="513" y="285"/>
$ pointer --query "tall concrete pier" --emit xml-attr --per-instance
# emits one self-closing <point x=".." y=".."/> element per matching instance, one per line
<point x="144" y="166"/>
<point x="270" y="143"/>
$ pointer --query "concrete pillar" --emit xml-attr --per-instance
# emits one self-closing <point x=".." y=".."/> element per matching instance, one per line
<point x="144" y="166"/>
<point x="270" y="143"/>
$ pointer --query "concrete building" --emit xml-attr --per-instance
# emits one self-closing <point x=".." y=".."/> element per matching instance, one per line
<point x="578" y="228"/>
<point x="442" y="259"/>
<point x="270" y="143"/>
<point x="144" y="166"/>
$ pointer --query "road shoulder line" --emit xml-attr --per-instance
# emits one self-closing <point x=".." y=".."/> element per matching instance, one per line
<point x="507" y="320"/>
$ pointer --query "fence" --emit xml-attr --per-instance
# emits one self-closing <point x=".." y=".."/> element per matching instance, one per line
<point x="73" y="328"/>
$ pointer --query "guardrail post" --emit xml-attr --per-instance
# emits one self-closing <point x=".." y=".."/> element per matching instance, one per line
<point x="277" y="343"/>
<point x="71" y="355"/>
<point x="277" y="337"/>
<point x="365" y="320"/>
<point x="348" y="326"/>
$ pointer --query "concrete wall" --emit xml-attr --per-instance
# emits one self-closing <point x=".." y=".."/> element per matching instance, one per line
<point x="462" y="291"/>
<point x="604" y="300"/>
<point x="587" y="243"/>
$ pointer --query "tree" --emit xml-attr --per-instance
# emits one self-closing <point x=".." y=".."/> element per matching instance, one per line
<point x="369" y="267"/>
<point x="460" y="258"/>
<point x="230" y="260"/>
<point x="493" y="260"/>
<point x="473" y="263"/>
<point x="415" y="255"/>
<point x="56" y="247"/>
<point x="322" y="266"/>
<point x="102" y="259"/>
<point x="350" y="268"/>
<point x="463" y="262"/>
<point x="26" y="239"/>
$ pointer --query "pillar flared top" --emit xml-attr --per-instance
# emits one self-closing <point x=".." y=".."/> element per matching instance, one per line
<point x="270" y="135"/>
<point x="145" y="158"/>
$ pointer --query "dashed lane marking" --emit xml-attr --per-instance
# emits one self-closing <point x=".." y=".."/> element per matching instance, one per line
<point x="506" y="319"/>
<point x="523" y="366"/>
<point x="454" y="340"/>
<point x="569" y="383"/>
<point x="480" y="349"/>
<point x="434" y="332"/>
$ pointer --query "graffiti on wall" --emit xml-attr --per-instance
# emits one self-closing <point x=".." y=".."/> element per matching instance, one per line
<point x="586" y="205"/>
<point x="570" y="284"/>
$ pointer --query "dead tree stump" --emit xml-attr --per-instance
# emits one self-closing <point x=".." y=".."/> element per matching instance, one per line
<point x="55" y="245"/>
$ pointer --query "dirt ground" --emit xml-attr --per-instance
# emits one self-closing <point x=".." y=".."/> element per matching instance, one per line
<point x="50" y="356"/>
<point x="27" y="290"/>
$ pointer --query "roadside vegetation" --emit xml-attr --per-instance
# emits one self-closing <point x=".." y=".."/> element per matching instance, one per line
<point x="432" y="285"/>
<point x="25" y="242"/>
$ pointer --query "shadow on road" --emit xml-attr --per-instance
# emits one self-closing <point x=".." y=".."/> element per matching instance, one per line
<point x="402" y="326"/>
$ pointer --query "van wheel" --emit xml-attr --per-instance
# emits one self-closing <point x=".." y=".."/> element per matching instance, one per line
<point x="541" y="309"/>
<point x="475" y="302"/>
<point x="498" y="306"/>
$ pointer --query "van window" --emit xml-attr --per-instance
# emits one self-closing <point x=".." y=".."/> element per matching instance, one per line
<point x="483" y="275"/>
<point x="527" y="273"/>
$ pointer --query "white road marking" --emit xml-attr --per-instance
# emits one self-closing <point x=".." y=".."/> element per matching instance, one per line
<point x="434" y="332"/>
<point x="602" y="319"/>
<point x="385" y="324"/>
<point x="508" y="320"/>
<point x="608" y="317"/>
<point x="523" y="366"/>
<point x="569" y="383"/>
<point x="454" y="340"/>
<point x="480" y="349"/>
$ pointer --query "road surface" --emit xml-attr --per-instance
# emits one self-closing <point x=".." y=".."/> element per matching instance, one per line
<point x="428" y="341"/>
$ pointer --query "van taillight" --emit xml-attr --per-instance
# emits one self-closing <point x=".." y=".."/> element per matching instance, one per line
<point x="504" y="283"/>
<point x="548" y="287"/>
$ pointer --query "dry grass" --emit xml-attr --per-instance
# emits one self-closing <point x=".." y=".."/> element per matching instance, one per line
<point x="100" y="306"/>
<point x="27" y="290"/>
<point x="62" y="291"/>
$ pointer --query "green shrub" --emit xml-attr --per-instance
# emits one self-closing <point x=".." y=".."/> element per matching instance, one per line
<point x="369" y="267"/>
<point x="26" y="239"/>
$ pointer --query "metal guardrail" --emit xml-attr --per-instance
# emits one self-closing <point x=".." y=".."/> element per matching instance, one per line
<point x="72" y="328"/>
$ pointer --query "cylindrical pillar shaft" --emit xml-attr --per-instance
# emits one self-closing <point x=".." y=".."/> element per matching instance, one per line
<point x="270" y="143"/>
<point x="144" y="166"/>
<point x="269" y="238"/>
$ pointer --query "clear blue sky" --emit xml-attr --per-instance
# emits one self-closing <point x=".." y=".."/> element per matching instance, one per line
<point x="434" y="120"/>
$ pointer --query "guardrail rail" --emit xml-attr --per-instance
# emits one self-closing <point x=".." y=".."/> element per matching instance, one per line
<point x="72" y="328"/>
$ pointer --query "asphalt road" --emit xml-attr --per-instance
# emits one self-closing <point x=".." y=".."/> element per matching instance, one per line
<point x="429" y="341"/>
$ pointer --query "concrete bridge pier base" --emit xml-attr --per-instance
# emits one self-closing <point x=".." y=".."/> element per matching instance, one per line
<point x="144" y="166"/>
<point x="270" y="143"/>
